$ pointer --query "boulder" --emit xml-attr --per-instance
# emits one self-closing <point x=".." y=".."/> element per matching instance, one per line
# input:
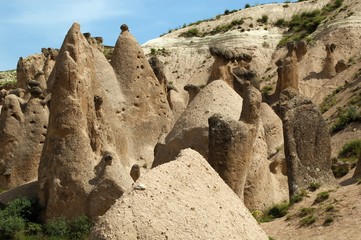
<point x="183" y="199"/>
<point x="341" y="66"/>
<point x="307" y="143"/>
<point x="84" y="165"/>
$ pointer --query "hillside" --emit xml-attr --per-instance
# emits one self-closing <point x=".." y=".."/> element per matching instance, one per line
<point x="268" y="98"/>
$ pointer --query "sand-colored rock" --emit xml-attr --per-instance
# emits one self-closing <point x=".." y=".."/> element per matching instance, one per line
<point x="273" y="128"/>
<point x="307" y="143"/>
<point x="191" y="129"/>
<point x="23" y="127"/>
<point x="183" y="199"/>
<point x="329" y="69"/>
<point x="288" y="70"/>
<point x="83" y="167"/>
<point x="266" y="182"/>
<point x="146" y="114"/>
<point x="231" y="142"/>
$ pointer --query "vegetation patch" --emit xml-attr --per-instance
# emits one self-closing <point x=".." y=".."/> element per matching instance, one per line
<point x="303" y="24"/>
<point x="160" y="51"/>
<point x="345" y="116"/>
<point x="263" y="19"/>
<point x="321" y="197"/>
<point x="314" y="186"/>
<point x="8" y="79"/>
<point x="350" y="151"/>
<point x="328" y="221"/>
<point x="276" y="211"/>
<point x="306" y="211"/>
<point x="309" y="220"/>
<point x="296" y="198"/>
<point x="19" y="220"/>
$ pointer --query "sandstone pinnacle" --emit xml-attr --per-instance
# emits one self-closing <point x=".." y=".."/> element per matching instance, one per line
<point x="83" y="166"/>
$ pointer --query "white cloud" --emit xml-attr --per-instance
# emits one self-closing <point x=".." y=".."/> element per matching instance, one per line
<point x="49" y="12"/>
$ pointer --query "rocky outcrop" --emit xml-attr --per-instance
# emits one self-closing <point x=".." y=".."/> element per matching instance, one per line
<point x="329" y="69"/>
<point x="23" y="127"/>
<point x="231" y="142"/>
<point x="301" y="50"/>
<point x="189" y="203"/>
<point x="225" y="60"/>
<point x="84" y="165"/>
<point x="36" y="67"/>
<point x="191" y="129"/>
<point x="288" y="69"/>
<point x="146" y="112"/>
<point x="307" y="143"/>
<point x="158" y="69"/>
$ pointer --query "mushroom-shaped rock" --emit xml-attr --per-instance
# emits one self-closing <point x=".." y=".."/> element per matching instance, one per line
<point x="189" y="203"/>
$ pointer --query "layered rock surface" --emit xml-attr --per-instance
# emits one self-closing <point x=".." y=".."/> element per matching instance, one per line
<point x="183" y="199"/>
<point x="83" y="163"/>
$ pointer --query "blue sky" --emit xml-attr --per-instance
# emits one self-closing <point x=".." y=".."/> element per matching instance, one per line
<point x="28" y="25"/>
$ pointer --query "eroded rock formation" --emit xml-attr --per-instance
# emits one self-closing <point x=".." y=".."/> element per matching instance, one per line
<point x="307" y="143"/>
<point x="191" y="129"/>
<point x="83" y="167"/>
<point x="190" y="193"/>
<point x="231" y="142"/>
<point x="36" y="67"/>
<point x="225" y="60"/>
<point x="146" y="112"/>
<point x="23" y="127"/>
<point x="288" y="69"/>
<point x="329" y="69"/>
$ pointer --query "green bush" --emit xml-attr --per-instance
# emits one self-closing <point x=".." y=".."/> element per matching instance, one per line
<point x="263" y="19"/>
<point x="57" y="227"/>
<point x="23" y="208"/>
<point x="306" y="211"/>
<point x="308" y="220"/>
<point x="266" y="90"/>
<point x="322" y="196"/>
<point x="75" y="229"/>
<point x="351" y="150"/>
<point x="193" y="32"/>
<point x="314" y="186"/>
<point x="79" y="228"/>
<point x="345" y="117"/>
<point x="9" y="225"/>
<point x="247" y="5"/>
<point x="281" y="23"/>
<point x="278" y="210"/>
